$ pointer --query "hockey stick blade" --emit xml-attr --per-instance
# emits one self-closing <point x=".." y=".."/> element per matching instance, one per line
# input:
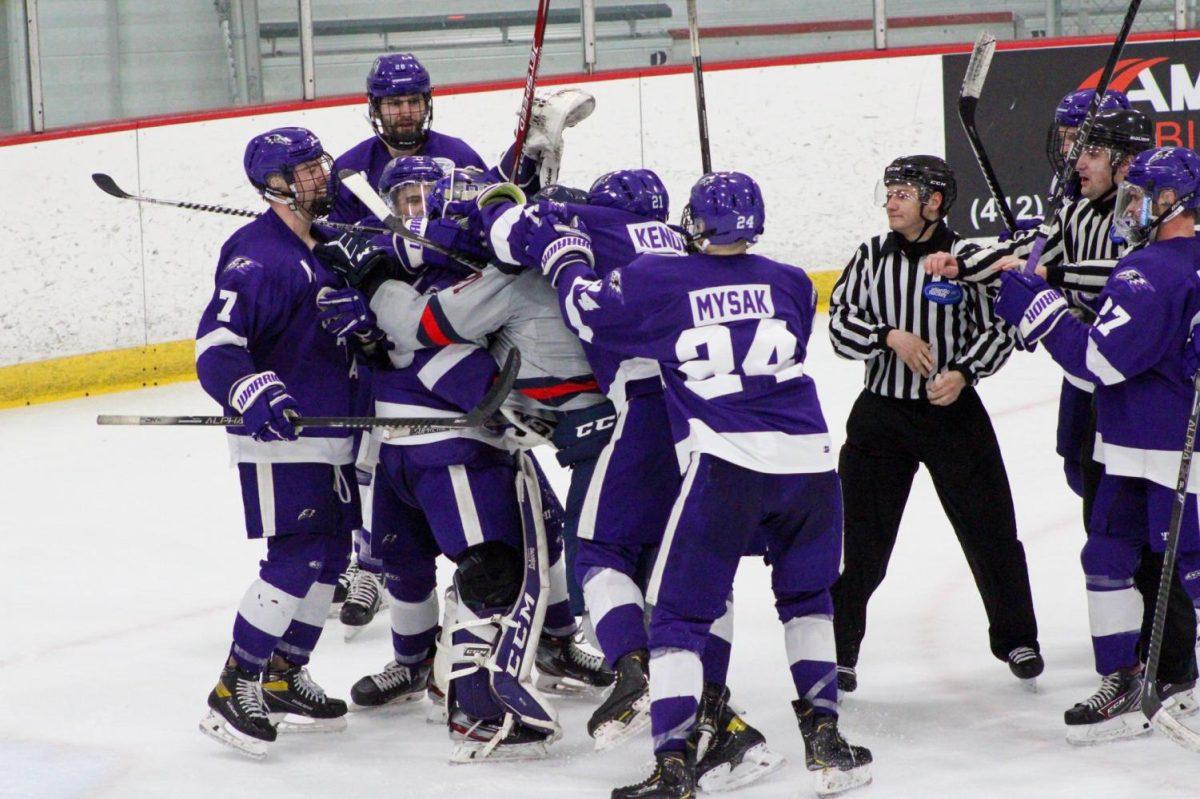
<point x="489" y="406"/>
<point x="109" y="186"/>
<point x="977" y="67"/>
<point x="357" y="183"/>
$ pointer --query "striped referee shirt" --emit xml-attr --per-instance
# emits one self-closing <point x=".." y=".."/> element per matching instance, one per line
<point x="884" y="287"/>
<point x="1079" y="254"/>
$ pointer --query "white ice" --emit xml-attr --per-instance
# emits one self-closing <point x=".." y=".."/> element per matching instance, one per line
<point x="124" y="558"/>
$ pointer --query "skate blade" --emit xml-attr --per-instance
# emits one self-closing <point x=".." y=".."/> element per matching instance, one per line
<point x="350" y="633"/>
<point x="476" y="752"/>
<point x="1182" y="705"/>
<point x="566" y="686"/>
<point x="757" y="762"/>
<point x="217" y="728"/>
<point x="1030" y="685"/>
<point x="335" y="611"/>
<point x="613" y="733"/>
<point x="1126" y="725"/>
<point x="294" y="722"/>
<point x="830" y="781"/>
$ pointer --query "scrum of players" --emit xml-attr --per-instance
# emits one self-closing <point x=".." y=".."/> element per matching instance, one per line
<point x="665" y="366"/>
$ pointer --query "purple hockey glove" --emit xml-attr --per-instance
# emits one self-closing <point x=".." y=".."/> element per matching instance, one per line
<point x="552" y="243"/>
<point x="1022" y="226"/>
<point x="1029" y="304"/>
<point x="344" y="312"/>
<point x="267" y="409"/>
<point x="463" y="236"/>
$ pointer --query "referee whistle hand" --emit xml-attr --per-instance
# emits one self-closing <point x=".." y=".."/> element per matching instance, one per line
<point x="913" y="350"/>
<point x="945" y="387"/>
<point x="942" y="264"/>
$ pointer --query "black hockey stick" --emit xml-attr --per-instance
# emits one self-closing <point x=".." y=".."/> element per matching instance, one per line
<point x="1059" y="192"/>
<point x="109" y="186"/>
<point x="698" y="78"/>
<point x="1152" y="705"/>
<point x="357" y="183"/>
<point x="968" y="99"/>
<point x="478" y="416"/>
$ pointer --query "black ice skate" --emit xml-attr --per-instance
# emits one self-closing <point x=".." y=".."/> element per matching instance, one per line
<point x="566" y="669"/>
<point x="626" y="710"/>
<point x="847" y="680"/>
<point x="505" y="738"/>
<point x="237" y="716"/>
<point x="342" y="589"/>
<point x="363" y="601"/>
<point x="297" y="704"/>
<point x="396" y="684"/>
<point x="730" y="753"/>
<point x="1110" y="714"/>
<point x="1026" y="665"/>
<point x="837" y="765"/>
<point x="674" y="777"/>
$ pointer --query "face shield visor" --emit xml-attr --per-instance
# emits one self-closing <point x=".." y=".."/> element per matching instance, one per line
<point x="409" y="199"/>
<point x="1133" y="215"/>
<point x="901" y="191"/>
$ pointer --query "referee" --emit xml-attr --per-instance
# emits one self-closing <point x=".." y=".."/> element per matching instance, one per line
<point x="926" y="341"/>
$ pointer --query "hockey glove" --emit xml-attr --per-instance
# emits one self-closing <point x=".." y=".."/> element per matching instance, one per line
<point x="1022" y="226"/>
<point x="1029" y="304"/>
<point x="464" y="236"/>
<point x="359" y="260"/>
<point x="344" y="312"/>
<point x="552" y="244"/>
<point x="267" y="409"/>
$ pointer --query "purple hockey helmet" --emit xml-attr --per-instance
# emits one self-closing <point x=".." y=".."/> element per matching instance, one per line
<point x="454" y="194"/>
<point x="1153" y="172"/>
<point x="283" y="152"/>
<point x="723" y="208"/>
<point x="1069" y="115"/>
<point x="406" y="183"/>
<point x="398" y="75"/>
<point x="638" y="191"/>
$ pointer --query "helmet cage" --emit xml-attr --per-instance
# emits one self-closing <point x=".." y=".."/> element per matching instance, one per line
<point x="396" y="139"/>
<point x="308" y="194"/>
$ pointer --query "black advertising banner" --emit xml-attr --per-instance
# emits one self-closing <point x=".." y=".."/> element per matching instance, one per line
<point x="1022" y="90"/>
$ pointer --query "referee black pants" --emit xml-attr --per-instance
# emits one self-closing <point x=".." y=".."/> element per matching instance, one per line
<point x="886" y="439"/>
<point x="1177" y="662"/>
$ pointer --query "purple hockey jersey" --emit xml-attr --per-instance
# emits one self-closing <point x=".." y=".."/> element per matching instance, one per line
<point x="371" y="156"/>
<point x="730" y="334"/>
<point x="618" y="237"/>
<point x="1134" y="353"/>
<point x="263" y="315"/>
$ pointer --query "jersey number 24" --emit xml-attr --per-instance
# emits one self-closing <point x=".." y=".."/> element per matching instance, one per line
<point x="715" y="372"/>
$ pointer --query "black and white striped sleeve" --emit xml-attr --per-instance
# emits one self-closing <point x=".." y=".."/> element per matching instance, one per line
<point x="855" y="331"/>
<point x="1084" y="277"/>
<point x="989" y="342"/>
<point x="979" y="266"/>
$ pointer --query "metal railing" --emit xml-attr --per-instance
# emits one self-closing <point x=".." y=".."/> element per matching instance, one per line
<point x="247" y="41"/>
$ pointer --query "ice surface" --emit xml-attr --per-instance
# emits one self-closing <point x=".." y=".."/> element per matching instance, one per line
<point x="125" y="558"/>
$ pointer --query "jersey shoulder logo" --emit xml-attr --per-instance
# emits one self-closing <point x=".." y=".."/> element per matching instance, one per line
<point x="1136" y="280"/>
<point x="943" y="293"/>
<point x="240" y="264"/>
<point x="655" y="237"/>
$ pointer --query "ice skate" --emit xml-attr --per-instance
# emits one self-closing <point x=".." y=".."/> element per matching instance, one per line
<point x="236" y="716"/>
<point x="730" y="753"/>
<point x="398" y="683"/>
<point x="1110" y="714"/>
<point x="364" y="600"/>
<point x="1179" y="698"/>
<point x="342" y="589"/>
<point x="836" y="765"/>
<point x="297" y="704"/>
<point x="674" y="777"/>
<point x="566" y="669"/>
<point x="498" y="739"/>
<point x="1026" y="665"/>
<point x="626" y="710"/>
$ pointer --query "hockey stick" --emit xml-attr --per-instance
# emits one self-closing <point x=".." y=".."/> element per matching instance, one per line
<point x="535" y="60"/>
<point x="1152" y="705"/>
<point x="698" y="79"/>
<point x="357" y="183"/>
<point x="968" y="99"/>
<point x="109" y="186"/>
<point x="478" y="416"/>
<point x="1059" y="192"/>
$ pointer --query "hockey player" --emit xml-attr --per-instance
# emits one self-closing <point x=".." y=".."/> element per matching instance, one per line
<point x="400" y="108"/>
<point x="729" y="331"/>
<point x="1078" y="259"/>
<point x="261" y="354"/>
<point x="624" y="505"/>
<point x="1136" y="352"/>
<point x="925" y="342"/>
